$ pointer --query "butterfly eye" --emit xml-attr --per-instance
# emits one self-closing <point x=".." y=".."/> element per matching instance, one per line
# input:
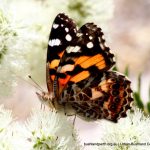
<point x="117" y="100"/>
<point x="115" y="93"/>
<point x="113" y="107"/>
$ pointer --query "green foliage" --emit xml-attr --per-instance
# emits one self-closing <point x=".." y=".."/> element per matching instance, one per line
<point x="137" y="94"/>
<point x="137" y="98"/>
<point x="148" y="107"/>
<point x="115" y="68"/>
<point x="149" y="92"/>
<point x="126" y="72"/>
<point x="80" y="9"/>
<point x="148" y="104"/>
<point x="7" y="34"/>
<point x="2" y="52"/>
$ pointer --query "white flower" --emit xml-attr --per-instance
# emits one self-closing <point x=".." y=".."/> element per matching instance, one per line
<point x="44" y="130"/>
<point x="50" y="130"/>
<point x="5" y="122"/>
<point x="13" y="139"/>
<point x="12" y="50"/>
<point x="5" y="118"/>
<point x="10" y="137"/>
<point x="132" y="132"/>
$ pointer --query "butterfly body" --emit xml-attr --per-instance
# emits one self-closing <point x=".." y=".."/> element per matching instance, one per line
<point x="79" y="76"/>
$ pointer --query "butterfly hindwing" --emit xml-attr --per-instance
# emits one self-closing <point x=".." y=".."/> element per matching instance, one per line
<point x="62" y="33"/>
<point x="86" y="56"/>
<point x="108" y="96"/>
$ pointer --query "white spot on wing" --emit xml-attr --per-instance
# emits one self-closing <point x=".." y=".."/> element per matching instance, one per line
<point x="54" y="42"/>
<point x="73" y="49"/>
<point x="68" y="37"/>
<point x="66" y="29"/>
<point x="57" y="42"/>
<point x="90" y="37"/>
<point x="55" y="26"/>
<point x="74" y="30"/>
<point x="76" y="49"/>
<point x="67" y="67"/>
<point x="89" y="45"/>
<point x="79" y="34"/>
<point x="62" y="25"/>
<point x="50" y="43"/>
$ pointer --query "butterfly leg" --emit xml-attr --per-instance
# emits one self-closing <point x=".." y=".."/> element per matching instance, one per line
<point x="74" y="119"/>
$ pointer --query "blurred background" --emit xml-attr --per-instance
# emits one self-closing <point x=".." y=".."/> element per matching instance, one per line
<point x="24" y="31"/>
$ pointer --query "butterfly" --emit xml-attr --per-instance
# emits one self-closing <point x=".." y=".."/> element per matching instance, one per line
<point x="79" y="76"/>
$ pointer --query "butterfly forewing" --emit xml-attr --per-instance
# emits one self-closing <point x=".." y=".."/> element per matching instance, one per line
<point x="87" y="55"/>
<point x="62" y="33"/>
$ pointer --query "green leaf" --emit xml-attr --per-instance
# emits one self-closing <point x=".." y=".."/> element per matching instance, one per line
<point x="126" y="72"/>
<point x="149" y="93"/>
<point x="139" y="83"/>
<point x="115" y="68"/>
<point x="79" y="7"/>
<point x="2" y="53"/>
<point x="148" y="107"/>
<point x="138" y="100"/>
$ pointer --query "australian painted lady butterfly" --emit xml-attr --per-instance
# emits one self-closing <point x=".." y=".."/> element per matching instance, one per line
<point x="79" y="76"/>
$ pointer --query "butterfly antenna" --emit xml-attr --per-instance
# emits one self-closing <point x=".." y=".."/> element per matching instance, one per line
<point x="36" y="84"/>
<point x="38" y="87"/>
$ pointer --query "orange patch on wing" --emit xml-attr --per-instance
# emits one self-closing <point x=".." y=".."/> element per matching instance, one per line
<point x="53" y="77"/>
<point x="121" y="92"/>
<point x="120" y="104"/>
<point x="105" y="87"/>
<point x="63" y="82"/>
<point x="101" y="65"/>
<point x="82" y="59"/>
<point x="54" y="63"/>
<point x="106" y="104"/>
<point x="60" y="54"/>
<point x="80" y="76"/>
<point x="92" y="61"/>
<point x="96" y="94"/>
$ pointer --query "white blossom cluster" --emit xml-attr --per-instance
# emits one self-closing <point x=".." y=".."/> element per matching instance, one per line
<point x="42" y="131"/>
<point x="46" y="130"/>
<point x="132" y="132"/>
<point x="12" y="50"/>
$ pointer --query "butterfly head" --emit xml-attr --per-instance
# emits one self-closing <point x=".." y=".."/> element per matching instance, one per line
<point x="45" y="97"/>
